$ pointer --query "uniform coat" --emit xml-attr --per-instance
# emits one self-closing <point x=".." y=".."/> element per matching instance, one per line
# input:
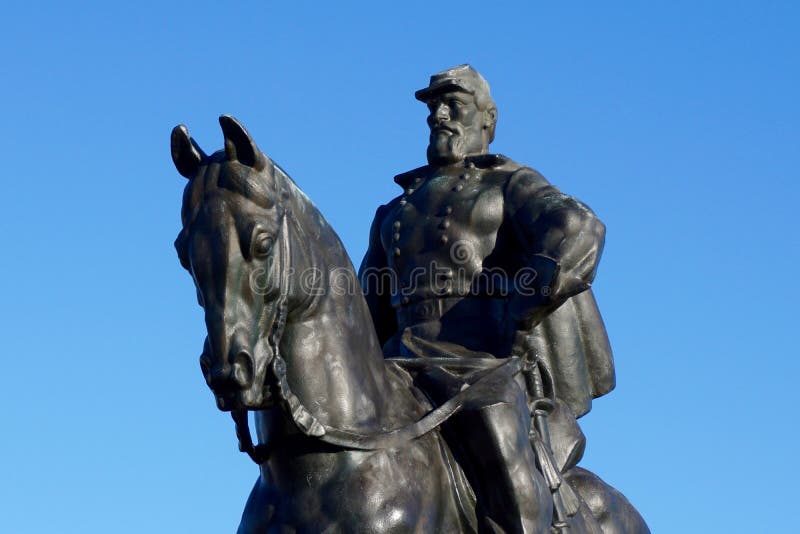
<point x="503" y="256"/>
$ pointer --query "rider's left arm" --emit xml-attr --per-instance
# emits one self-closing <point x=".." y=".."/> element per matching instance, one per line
<point x="562" y="239"/>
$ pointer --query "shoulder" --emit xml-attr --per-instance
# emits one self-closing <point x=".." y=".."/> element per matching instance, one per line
<point x="511" y="175"/>
<point x="377" y="221"/>
<point x="384" y="209"/>
<point x="518" y="182"/>
<point x="525" y="181"/>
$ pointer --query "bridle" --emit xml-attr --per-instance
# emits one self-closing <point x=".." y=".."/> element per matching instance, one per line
<point x="300" y="415"/>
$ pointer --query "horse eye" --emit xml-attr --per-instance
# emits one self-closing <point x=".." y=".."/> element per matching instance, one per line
<point x="262" y="244"/>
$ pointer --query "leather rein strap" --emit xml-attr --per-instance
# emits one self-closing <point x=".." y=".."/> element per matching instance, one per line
<point x="486" y="391"/>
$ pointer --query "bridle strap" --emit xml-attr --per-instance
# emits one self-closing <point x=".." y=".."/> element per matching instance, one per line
<point x="259" y="453"/>
<point x="300" y="415"/>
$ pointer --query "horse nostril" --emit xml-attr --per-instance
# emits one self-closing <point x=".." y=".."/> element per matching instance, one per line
<point x="219" y="379"/>
<point x="242" y="367"/>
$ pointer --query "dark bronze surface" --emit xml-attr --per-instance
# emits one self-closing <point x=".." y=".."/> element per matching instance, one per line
<point x="457" y="411"/>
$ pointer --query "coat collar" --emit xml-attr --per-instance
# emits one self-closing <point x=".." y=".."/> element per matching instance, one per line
<point x="484" y="161"/>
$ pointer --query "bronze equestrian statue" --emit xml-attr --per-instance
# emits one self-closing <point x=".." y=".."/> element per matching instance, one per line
<point x="456" y="413"/>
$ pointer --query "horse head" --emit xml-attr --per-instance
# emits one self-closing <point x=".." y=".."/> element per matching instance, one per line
<point x="274" y="279"/>
<point x="234" y="217"/>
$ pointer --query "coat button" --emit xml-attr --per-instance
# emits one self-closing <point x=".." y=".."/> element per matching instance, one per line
<point x="458" y="187"/>
<point x="396" y="251"/>
<point x="397" y="237"/>
<point x="396" y="225"/>
<point x="448" y="209"/>
<point x="444" y="239"/>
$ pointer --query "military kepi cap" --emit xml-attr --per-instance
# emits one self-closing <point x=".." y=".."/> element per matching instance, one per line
<point x="463" y="78"/>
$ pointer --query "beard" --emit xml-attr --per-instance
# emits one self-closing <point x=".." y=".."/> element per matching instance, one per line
<point x="446" y="145"/>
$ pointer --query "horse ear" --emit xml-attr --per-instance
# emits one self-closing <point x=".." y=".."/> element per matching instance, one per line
<point x="239" y="146"/>
<point x="186" y="155"/>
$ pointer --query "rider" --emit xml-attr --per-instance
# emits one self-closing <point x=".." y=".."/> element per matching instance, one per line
<point x="477" y="256"/>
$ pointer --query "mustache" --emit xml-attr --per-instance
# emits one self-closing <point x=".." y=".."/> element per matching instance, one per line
<point x="445" y="126"/>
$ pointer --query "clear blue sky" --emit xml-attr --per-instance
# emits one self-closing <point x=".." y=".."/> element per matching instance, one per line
<point x="677" y="122"/>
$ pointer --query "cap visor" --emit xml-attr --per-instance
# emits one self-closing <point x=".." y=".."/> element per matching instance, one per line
<point x="425" y="95"/>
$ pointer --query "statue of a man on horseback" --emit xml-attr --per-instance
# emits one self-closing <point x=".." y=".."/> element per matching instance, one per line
<point x="481" y="256"/>
<point x="457" y="411"/>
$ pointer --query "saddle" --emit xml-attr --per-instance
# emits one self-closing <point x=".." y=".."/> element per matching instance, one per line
<point x="557" y="440"/>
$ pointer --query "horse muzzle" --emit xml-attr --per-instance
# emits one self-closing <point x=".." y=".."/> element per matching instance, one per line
<point x="236" y="382"/>
<point x="251" y="399"/>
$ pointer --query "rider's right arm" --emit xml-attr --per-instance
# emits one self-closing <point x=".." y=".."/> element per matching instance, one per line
<point x="375" y="277"/>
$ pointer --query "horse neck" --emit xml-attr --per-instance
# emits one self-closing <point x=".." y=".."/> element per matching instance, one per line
<point x="334" y="361"/>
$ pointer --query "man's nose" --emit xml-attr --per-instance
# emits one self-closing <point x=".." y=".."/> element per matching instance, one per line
<point x="441" y="112"/>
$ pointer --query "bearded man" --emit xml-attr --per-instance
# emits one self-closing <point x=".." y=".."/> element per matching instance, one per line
<point x="482" y="257"/>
